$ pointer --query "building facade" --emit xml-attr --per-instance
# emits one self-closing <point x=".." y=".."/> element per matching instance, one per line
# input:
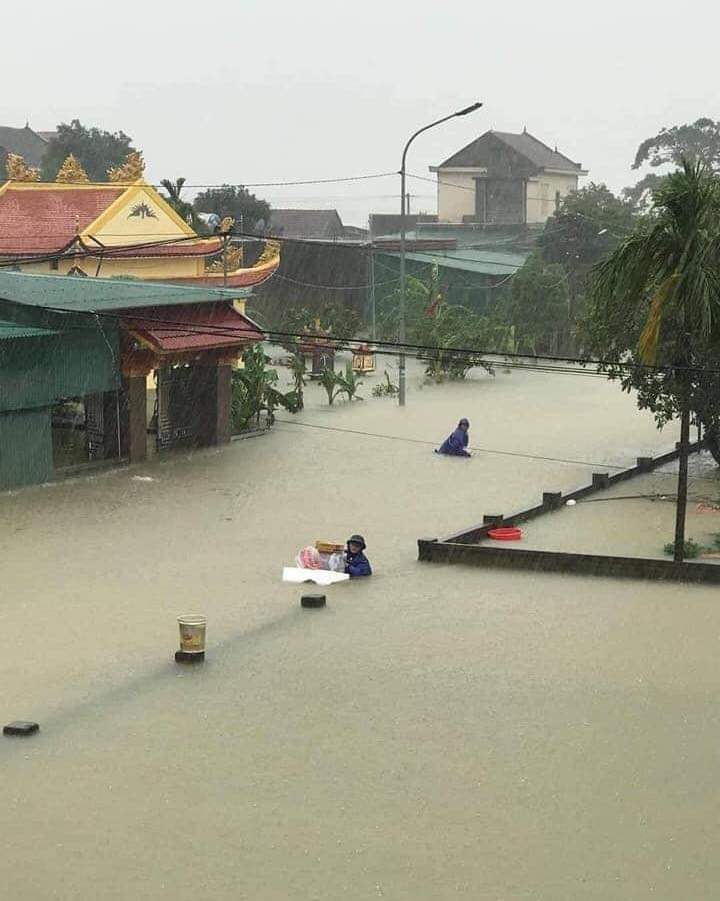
<point x="92" y="346"/>
<point x="114" y="230"/>
<point x="504" y="179"/>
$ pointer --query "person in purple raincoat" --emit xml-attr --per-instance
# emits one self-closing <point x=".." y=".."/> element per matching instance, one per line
<point x="455" y="445"/>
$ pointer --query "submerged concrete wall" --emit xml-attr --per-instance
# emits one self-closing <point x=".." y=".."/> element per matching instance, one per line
<point x="462" y="547"/>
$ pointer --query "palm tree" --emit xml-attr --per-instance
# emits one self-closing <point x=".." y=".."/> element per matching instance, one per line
<point x="662" y="284"/>
<point x="184" y="209"/>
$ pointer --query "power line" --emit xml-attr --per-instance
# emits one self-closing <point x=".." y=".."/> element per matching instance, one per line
<point x="484" y="450"/>
<point x="110" y="185"/>
<point x="504" y="358"/>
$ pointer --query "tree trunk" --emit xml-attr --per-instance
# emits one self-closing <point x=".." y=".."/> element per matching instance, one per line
<point x="682" y="486"/>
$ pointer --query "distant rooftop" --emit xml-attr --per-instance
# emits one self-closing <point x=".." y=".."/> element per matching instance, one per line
<point x="306" y="223"/>
<point x="28" y="144"/>
<point x="476" y="153"/>
<point x="479" y="261"/>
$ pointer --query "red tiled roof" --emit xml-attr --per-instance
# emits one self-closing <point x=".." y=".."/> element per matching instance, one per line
<point x="36" y="220"/>
<point x="225" y="327"/>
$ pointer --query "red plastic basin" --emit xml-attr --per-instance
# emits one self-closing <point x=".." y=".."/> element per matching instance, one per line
<point x="506" y="533"/>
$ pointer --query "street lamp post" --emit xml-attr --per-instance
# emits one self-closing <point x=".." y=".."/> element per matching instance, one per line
<point x="462" y="112"/>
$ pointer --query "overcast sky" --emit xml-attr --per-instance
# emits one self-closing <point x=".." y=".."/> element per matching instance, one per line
<point x="247" y="91"/>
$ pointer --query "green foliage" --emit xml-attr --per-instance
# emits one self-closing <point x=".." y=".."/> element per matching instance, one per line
<point x="695" y="142"/>
<point x="536" y="308"/>
<point x="184" y="209"/>
<point x="453" y="326"/>
<point x="350" y="383"/>
<point x="588" y="226"/>
<point x="334" y="317"/>
<point x="254" y="391"/>
<point x="386" y="388"/>
<point x="332" y="382"/>
<point x="691" y="549"/>
<point x="298" y="368"/>
<point x="235" y="201"/>
<point x="432" y="322"/>
<point x="337" y="383"/>
<point x="419" y="296"/>
<point x="96" y="150"/>
<point x="656" y="300"/>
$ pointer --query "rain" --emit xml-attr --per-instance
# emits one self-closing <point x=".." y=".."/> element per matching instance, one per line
<point x="240" y="332"/>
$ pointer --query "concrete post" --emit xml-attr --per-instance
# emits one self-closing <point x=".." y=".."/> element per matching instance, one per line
<point x="223" y="419"/>
<point x="134" y="435"/>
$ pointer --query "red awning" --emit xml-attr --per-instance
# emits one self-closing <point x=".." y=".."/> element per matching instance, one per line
<point x="192" y="327"/>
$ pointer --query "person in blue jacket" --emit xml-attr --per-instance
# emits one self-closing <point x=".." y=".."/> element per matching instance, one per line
<point x="356" y="563"/>
<point x="456" y="444"/>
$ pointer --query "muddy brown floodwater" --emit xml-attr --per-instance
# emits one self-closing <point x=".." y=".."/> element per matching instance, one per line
<point x="435" y="733"/>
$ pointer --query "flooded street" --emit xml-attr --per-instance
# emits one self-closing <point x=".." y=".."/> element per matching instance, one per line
<point x="435" y="733"/>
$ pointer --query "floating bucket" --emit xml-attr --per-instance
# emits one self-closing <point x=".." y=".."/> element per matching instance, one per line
<point x="192" y="634"/>
<point x="505" y="533"/>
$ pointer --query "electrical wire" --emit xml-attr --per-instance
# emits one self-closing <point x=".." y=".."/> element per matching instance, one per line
<point x="504" y="358"/>
<point x="484" y="450"/>
<point x="110" y="185"/>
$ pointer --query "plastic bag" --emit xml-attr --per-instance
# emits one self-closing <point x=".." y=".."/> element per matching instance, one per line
<point x="309" y="558"/>
<point x="336" y="563"/>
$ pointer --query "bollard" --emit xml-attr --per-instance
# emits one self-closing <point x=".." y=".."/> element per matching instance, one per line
<point x="20" y="727"/>
<point x="192" y="639"/>
<point x="312" y="601"/>
<point x="493" y="519"/>
<point x="645" y="464"/>
<point x="600" y="480"/>
<point x="552" y="499"/>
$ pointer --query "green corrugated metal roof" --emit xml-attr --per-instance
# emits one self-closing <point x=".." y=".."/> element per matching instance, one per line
<point x="10" y="330"/>
<point x="483" y="262"/>
<point x="89" y="295"/>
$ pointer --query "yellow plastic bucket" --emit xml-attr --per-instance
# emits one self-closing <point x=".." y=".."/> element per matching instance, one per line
<point x="192" y="633"/>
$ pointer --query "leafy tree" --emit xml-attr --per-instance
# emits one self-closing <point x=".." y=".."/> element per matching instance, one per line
<point x="420" y="296"/>
<point x="537" y="305"/>
<point x="235" y="201"/>
<point x="588" y="225"/>
<point x="655" y="300"/>
<point x="333" y="317"/>
<point x="453" y="326"/>
<point x="698" y="141"/>
<point x="96" y="150"/>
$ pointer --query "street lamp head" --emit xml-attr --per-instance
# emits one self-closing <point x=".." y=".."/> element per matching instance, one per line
<point x="469" y="109"/>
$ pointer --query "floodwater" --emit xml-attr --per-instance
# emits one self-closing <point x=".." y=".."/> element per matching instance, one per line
<point x="635" y="518"/>
<point x="434" y="733"/>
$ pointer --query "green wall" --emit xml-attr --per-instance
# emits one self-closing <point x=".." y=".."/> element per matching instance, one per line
<point x="25" y="447"/>
<point x="39" y="371"/>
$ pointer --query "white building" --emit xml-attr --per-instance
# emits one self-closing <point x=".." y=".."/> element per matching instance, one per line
<point x="502" y="178"/>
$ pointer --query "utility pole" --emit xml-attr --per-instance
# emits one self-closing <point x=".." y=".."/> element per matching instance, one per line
<point x="226" y="240"/>
<point x="402" y="374"/>
<point x="371" y="250"/>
